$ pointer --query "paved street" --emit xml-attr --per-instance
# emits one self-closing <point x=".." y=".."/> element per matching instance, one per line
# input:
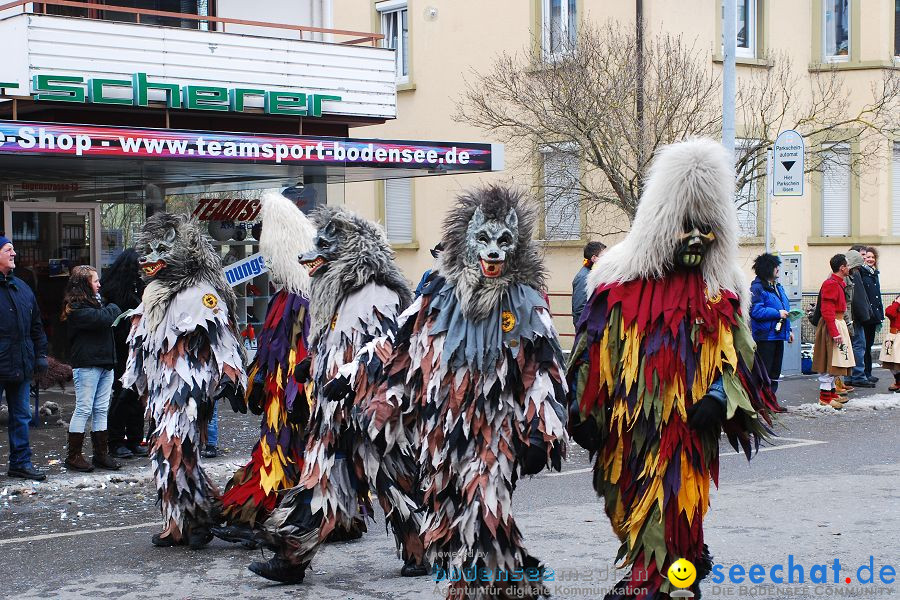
<point x="829" y="488"/>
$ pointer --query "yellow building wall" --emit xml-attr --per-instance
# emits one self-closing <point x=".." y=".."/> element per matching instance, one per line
<point x="466" y="35"/>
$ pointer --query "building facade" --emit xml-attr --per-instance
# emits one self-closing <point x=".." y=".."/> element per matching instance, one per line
<point x="440" y="45"/>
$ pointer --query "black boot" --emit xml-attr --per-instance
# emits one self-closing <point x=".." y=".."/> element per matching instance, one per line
<point x="199" y="537"/>
<point x="236" y="534"/>
<point x="411" y="568"/>
<point x="279" y="569"/>
<point x="101" y="458"/>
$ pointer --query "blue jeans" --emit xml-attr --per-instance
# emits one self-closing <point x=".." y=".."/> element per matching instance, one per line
<point x="212" y="428"/>
<point x="858" y="373"/>
<point x="93" y="387"/>
<point x="18" y="395"/>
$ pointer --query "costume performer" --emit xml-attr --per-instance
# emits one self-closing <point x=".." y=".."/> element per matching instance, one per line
<point x="663" y="361"/>
<point x="356" y="294"/>
<point x="184" y="355"/>
<point x="477" y="361"/>
<point x="272" y="390"/>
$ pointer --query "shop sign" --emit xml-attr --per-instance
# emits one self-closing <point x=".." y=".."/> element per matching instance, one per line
<point x="97" y="90"/>
<point x="226" y="209"/>
<point x="245" y="270"/>
<point x="24" y="138"/>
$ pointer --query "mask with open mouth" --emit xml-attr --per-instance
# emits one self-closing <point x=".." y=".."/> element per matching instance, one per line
<point x="693" y="245"/>
<point x="155" y="261"/>
<point x="491" y="240"/>
<point x="324" y="250"/>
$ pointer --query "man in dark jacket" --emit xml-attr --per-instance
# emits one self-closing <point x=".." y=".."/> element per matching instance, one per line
<point x="872" y="284"/>
<point x="23" y="352"/>
<point x="592" y="251"/>
<point x="860" y="313"/>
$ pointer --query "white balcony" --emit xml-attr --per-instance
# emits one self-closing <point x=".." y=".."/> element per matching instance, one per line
<point x="357" y="71"/>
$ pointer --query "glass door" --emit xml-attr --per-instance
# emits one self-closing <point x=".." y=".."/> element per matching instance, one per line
<point x="50" y="238"/>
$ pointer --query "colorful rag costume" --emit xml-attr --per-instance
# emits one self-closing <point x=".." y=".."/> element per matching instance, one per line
<point x="356" y="294"/>
<point x="477" y="362"/>
<point x="184" y="355"/>
<point x="276" y="460"/>
<point x="663" y="359"/>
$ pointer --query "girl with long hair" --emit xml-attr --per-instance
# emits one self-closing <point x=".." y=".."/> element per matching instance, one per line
<point x="92" y="351"/>
<point x="123" y="286"/>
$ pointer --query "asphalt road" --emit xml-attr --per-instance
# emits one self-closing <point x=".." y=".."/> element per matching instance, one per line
<point x="828" y="488"/>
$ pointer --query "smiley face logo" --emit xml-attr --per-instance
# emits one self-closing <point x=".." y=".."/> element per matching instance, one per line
<point x="210" y="301"/>
<point x="682" y="573"/>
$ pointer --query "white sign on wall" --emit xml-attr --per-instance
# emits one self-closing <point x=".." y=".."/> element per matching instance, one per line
<point x="789" y="165"/>
<point x="246" y="269"/>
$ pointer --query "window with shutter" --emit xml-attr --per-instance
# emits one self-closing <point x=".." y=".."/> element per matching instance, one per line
<point x="398" y="221"/>
<point x="395" y="27"/>
<point x="562" y="208"/>
<point x="895" y="191"/>
<point x="836" y="192"/>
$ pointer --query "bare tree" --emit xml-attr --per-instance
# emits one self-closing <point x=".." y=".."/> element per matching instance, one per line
<point x="584" y="103"/>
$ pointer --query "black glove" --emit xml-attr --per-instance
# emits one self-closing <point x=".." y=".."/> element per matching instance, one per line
<point x="229" y="391"/>
<point x="41" y="365"/>
<point x="255" y="398"/>
<point x="584" y="431"/>
<point x="535" y="459"/>
<point x="299" y="413"/>
<point x="706" y="415"/>
<point x="204" y="411"/>
<point x="338" y="389"/>
<point x="301" y="371"/>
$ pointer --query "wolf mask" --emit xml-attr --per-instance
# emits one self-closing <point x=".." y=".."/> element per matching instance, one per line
<point x="348" y="253"/>
<point x="286" y="232"/>
<point x="488" y="247"/>
<point x="686" y="218"/>
<point x="176" y="255"/>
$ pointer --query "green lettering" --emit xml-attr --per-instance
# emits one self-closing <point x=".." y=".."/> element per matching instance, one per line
<point x="315" y="103"/>
<point x="141" y="85"/>
<point x="286" y="103"/>
<point x="203" y="97"/>
<point x="12" y="85"/>
<point x="95" y="91"/>
<point x="237" y="97"/>
<point x="46" y="88"/>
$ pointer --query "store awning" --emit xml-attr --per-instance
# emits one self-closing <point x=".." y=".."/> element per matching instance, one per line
<point x="92" y="158"/>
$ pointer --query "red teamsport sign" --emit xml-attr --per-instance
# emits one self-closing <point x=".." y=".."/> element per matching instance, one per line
<point x="90" y="141"/>
<point x="227" y="209"/>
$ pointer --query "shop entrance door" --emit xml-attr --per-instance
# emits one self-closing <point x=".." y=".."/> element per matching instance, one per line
<point x="50" y="238"/>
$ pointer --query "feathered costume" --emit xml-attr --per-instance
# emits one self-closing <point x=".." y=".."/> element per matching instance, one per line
<point x="477" y="361"/>
<point x="277" y="458"/>
<point x="662" y="359"/>
<point x="184" y="354"/>
<point x="356" y="294"/>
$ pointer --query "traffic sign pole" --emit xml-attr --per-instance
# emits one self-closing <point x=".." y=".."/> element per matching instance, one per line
<point x="769" y="186"/>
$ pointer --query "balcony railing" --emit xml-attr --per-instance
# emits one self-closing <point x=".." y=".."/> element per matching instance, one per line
<point x="356" y="37"/>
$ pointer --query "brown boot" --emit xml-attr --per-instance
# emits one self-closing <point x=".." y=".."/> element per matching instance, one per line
<point x="841" y="388"/>
<point x="829" y="398"/>
<point x="101" y="458"/>
<point x="75" y="460"/>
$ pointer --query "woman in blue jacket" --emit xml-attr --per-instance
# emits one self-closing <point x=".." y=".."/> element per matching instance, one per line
<point x="769" y="308"/>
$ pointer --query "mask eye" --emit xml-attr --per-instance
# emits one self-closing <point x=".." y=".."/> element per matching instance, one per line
<point x="323" y="243"/>
<point x="162" y="248"/>
<point x="483" y="239"/>
<point x="704" y="229"/>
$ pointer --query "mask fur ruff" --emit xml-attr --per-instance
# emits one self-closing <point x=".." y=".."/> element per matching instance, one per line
<point x="691" y="181"/>
<point x="286" y="233"/>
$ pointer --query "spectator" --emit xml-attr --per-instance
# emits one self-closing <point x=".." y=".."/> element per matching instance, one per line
<point x="435" y="253"/>
<point x="22" y="336"/>
<point x="592" y="251"/>
<point x="859" y="312"/>
<point x="92" y="352"/>
<point x="123" y="286"/>
<point x="769" y="309"/>
<point x="872" y="283"/>
<point x="890" y="349"/>
<point x="832" y="336"/>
